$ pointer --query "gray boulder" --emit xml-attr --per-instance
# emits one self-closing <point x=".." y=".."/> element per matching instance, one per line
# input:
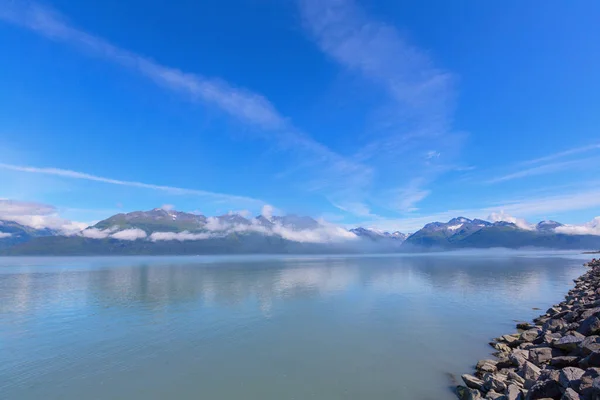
<point x="570" y="376"/>
<point x="494" y="382"/>
<point x="465" y="393"/>
<point x="592" y="360"/>
<point x="487" y="366"/>
<point x="529" y="335"/>
<point x="570" y="394"/>
<point x="567" y="343"/>
<point x="554" y="325"/>
<point x="586" y="381"/>
<point x="590" y="326"/>
<point x="540" y="355"/>
<point x="514" y="393"/>
<point x="589" y="345"/>
<point x="472" y="382"/>
<point x="530" y="372"/>
<point x="519" y="357"/>
<point x="545" y="390"/>
<point x="564" y="361"/>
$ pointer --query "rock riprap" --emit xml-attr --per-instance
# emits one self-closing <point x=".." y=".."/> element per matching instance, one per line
<point x="557" y="357"/>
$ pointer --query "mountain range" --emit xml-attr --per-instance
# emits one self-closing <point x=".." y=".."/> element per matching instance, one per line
<point x="162" y="231"/>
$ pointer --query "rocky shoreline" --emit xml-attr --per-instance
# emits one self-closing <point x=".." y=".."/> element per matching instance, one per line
<point x="555" y="357"/>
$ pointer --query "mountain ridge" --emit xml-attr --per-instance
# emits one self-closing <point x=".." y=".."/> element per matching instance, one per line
<point x="161" y="231"/>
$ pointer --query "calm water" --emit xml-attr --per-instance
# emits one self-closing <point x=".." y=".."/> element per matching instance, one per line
<point x="378" y="327"/>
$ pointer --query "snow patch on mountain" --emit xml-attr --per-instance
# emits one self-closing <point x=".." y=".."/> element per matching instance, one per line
<point x="454" y="227"/>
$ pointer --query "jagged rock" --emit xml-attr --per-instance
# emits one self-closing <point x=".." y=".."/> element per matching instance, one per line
<point x="554" y="325"/>
<point x="494" y="382"/>
<point x="472" y="382"/>
<point x="530" y="372"/>
<point x="571" y="316"/>
<point x="493" y="395"/>
<point x="567" y="343"/>
<point x="590" y="326"/>
<point x="510" y="339"/>
<point x="569" y="377"/>
<point x="514" y="393"/>
<point x="540" y="355"/>
<point x="564" y="361"/>
<point x="586" y="381"/>
<point x="524" y="326"/>
<point x="529" y="335"/>
<point x="592" y="360"/>
<point x="465" y="393"/>
<point x="519" y="357"/>
<point x="549" y="374"/>
<point x="589" y="345"/>
<point x="504" y="362"/>
<point x="501" y="347"/>
<point x="590" y="312"/>
<point x="552" y="311"/>
<point x="545" y="390"/>
<point x="570" y="394"/>
<point x="487" y="366"/>
<point x="514" y="377"/>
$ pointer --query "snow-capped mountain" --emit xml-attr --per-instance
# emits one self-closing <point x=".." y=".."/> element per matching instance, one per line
<point x="375" y="234"/>
<point x="166" y="231"/>
<point x="12" y="233"/>
<point x="547" y="226"/>
<point x="466" y="233"/>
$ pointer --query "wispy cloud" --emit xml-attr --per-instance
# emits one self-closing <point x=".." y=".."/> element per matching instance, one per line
<point x="544" y="169"/>
<point x="589" y="228"/>
<point x="130" y="234"/>
<point x="354" y="207"/>
<point x="418" y="97"/>
<point x="566" y="153"/>
<point x="240" y="103"/>
<point x="219" y="197"/>
<point x="244" y="105"/>
<point x="345" y="33"/>
<point x="38" y="216"/>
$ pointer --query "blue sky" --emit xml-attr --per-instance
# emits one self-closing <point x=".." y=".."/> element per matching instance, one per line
<point x="387" y="114"/>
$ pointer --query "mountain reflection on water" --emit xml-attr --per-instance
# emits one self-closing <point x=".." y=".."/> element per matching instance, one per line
<point x="268" y="327"/>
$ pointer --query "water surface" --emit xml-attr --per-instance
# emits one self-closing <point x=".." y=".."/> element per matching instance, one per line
<point x="326" y="328"/>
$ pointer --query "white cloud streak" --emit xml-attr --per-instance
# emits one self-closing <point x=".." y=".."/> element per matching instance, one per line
<point x="129" y="234"/>
<point x="179" y="236"/>
<point x="4" y="235"/>
<point x="544" y="169"/>
<point x="566" y="153"/>
<point x="219" y="197"/>
<point x="244" y="105"/>
<point x="418" y="100"/>
<point x="94" y="233"/>
<point x="377" y="51"/>
<point x="325" y="233"/>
